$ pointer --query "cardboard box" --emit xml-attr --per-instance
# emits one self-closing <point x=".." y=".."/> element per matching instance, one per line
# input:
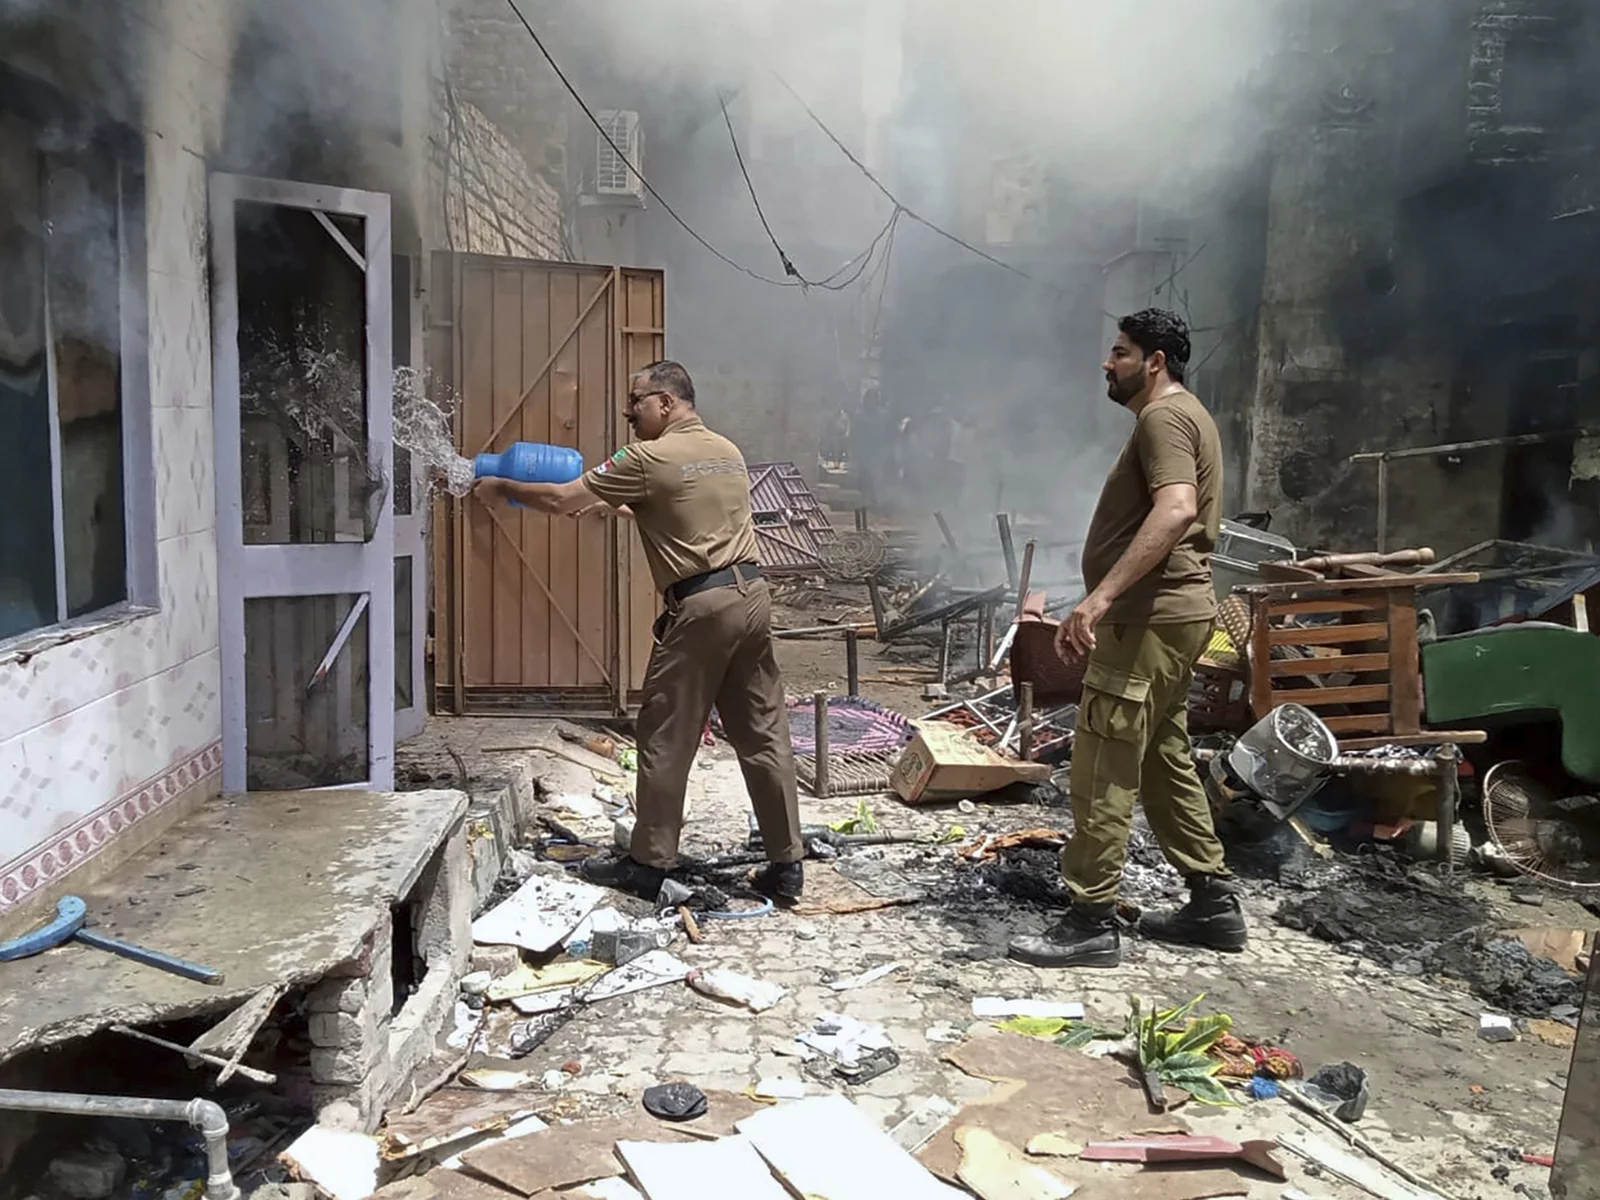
<point x="943" y="762"/>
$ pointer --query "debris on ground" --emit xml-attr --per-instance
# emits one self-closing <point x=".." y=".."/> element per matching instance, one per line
<point x="1341" y="1088"/>
<point x="675" y="1101"/>
<point x="342" y="1165"/>
<point x="992" y="1007"/>
<point x="755" y="994"/>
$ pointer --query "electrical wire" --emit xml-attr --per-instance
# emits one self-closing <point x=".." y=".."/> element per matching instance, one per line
<point x="901" y="205"/>
<point x="830" y="283"/>
<point x="633" y="170"/>
<point x="788" y="265"/>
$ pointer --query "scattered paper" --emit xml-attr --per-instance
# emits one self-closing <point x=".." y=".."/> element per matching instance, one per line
<point x="647" y="971"/>
<point x="866" y="977"/>
<point x="538" y="914"/>
<point x="466" y="1027"/>
<point x="844" y="1039"/>
<point x="998" y="1006"/>
<point x="946" y="1034"/>
<point x="344" y="1165"/>
<point x="528" y="980"/>
<point x="578" y="805"/>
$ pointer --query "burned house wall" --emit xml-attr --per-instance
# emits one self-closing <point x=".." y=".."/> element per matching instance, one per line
<point x="111" y="732"/>
<point x="1416" y="291"/>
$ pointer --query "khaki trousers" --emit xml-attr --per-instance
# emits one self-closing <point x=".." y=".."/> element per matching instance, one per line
<point x="1132" y="745"/>
<point x="715" y="649"/>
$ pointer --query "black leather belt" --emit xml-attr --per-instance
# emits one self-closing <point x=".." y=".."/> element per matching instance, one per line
<point x="727" y="577"/>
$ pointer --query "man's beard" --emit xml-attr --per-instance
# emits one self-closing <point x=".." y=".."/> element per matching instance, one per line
<point x="1122" y="390"/>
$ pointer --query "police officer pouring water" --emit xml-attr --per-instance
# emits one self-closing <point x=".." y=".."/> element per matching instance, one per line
<point x="688" y="493"/>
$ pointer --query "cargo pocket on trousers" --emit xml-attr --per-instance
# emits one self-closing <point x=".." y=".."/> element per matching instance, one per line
<point x="1112" y="703"/>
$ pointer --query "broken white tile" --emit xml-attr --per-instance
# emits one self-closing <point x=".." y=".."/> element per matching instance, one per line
<point x="866" y="977"/>
<point x="467" y="1021"/>
<point x="726" y="1169"/>
<point x="1001" y="1006"/>
<point x="516" y="1129"/>
<point x="538" y="914"/>
<point x="343" y="1165"/>
<point x="917" y="1130"/>
<point x="829" y="1147"/>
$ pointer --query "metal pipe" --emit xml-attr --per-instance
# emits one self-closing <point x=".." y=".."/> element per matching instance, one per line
<point x="1522" y="439"/>
<point x="1025" y="713"/>
<point x="1383" y="505"/>
<point x="1008" y="548"/>
<point x="206" y="1116"/>
<point x="852" y="663"/>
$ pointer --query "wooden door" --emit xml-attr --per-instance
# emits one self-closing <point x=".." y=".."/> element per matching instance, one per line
<point x="533" y="613"/>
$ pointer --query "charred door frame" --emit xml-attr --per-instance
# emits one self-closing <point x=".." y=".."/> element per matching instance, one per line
<point x="259" y="571"/>
<point x="630" y="599"/>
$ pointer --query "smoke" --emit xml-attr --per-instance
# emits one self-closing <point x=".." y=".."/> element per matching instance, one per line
<point x="1056" y="138"/>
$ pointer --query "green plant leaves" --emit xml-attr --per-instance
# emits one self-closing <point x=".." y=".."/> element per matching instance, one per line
<point x="1178" y="1056"/>
<point x="1039" y="1027"/>
<point x="1203" y="1033"/>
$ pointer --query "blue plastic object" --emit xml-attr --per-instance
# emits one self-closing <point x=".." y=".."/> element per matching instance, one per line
<point x="71" y="913"/>
<point x="531" y="462"/>
<point x="68" y="926"/>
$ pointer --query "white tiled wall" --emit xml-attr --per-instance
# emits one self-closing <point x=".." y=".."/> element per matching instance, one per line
<point x="100" y="733"/>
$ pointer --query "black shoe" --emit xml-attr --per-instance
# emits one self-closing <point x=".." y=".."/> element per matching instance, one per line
<point x="1213" y="917"/>
<point x="784" y="882"/>
<point x="625" y="875"/>
<point x="1087" y="938"/>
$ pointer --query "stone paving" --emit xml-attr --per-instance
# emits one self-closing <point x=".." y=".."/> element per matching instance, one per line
<point x="1443" y="1102"/>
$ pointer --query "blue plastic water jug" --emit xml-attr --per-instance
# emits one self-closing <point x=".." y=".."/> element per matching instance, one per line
<point x="531" y="462"/>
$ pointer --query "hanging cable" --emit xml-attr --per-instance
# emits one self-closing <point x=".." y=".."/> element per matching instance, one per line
<point x="637" y="174"/>
<point x="831" y="282"/>
<point x="897" y="202"/>
<point x="788" y="266"/>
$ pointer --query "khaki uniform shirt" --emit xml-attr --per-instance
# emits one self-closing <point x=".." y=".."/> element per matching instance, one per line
<point x="1175" y="441"/>
<point x="690" y="496"/>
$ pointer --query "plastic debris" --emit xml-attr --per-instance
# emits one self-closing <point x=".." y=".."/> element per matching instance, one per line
<point x="675" y="1101"/>
<point x="755" y="994"/>
<point x="865" y="978"/>
<point x="1262" y="1088"/>
<point x="1492" y="1027"/>
<point x="1341" y="1088"/>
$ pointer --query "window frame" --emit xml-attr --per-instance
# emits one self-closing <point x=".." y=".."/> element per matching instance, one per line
<point x="42" y="106"/>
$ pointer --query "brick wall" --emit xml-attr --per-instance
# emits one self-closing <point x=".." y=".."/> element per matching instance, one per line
<point x="502" y="148"/>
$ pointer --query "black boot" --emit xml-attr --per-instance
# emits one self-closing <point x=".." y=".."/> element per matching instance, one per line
<point x="784" y="882"/>
<point x="1088" y="937"/>
<point x="1213" y="917"/>
<point x="624" y="874"/>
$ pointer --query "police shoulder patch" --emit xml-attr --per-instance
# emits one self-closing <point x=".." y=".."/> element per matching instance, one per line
<point x="620" y="455"/>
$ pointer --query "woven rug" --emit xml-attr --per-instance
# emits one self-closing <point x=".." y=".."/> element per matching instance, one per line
<point x="853" y="724"/>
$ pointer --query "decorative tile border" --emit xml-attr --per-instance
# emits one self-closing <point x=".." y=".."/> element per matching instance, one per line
<point x="78" y="844"/>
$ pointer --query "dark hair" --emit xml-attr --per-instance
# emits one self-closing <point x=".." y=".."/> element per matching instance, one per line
<point x="1153" y="329"/>
<point x="669" y="377"/>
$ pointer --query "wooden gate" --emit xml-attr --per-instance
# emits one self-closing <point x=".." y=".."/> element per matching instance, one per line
<point x="537" y="614"/>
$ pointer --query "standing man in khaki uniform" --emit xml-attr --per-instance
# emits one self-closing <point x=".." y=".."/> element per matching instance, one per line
<point x="688" y="492"/>
<point x="1145" y="622"/>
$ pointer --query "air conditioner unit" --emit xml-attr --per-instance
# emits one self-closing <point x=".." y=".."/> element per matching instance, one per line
<point x="612" y="176"/>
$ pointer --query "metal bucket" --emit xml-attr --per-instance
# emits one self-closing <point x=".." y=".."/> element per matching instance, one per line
<point x="1284" y="758"/>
